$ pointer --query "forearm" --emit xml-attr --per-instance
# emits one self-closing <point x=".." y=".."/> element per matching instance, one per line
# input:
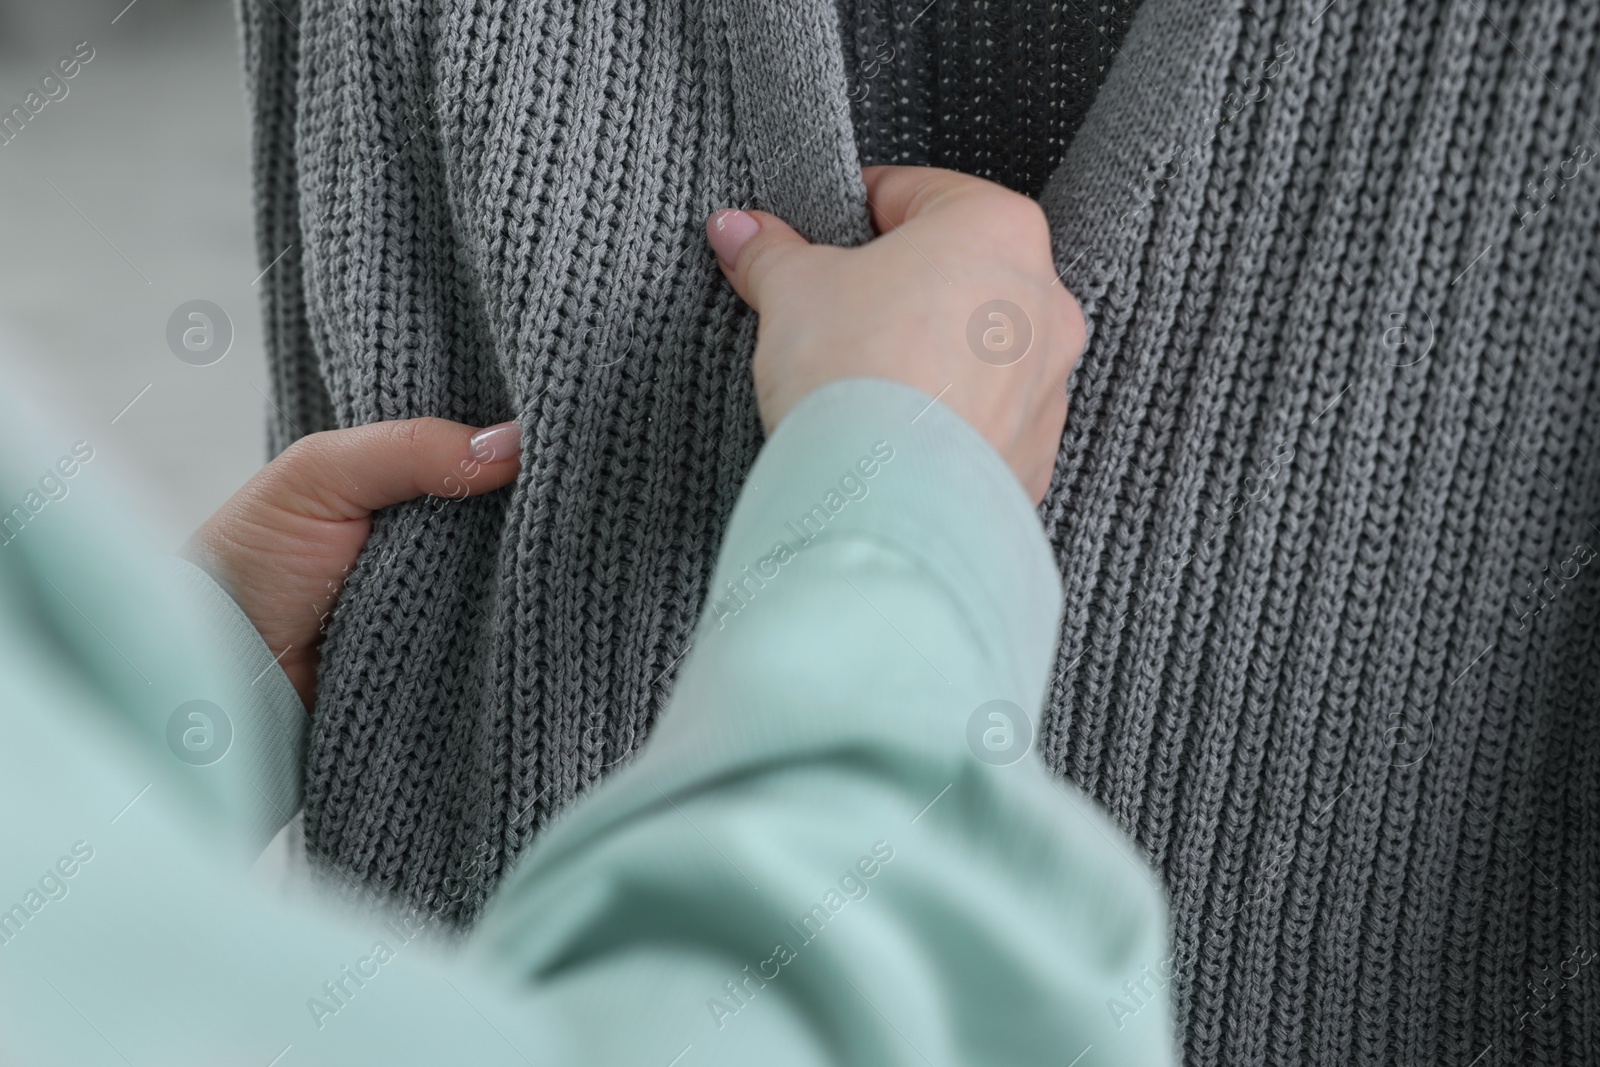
<point x="807" y="862"/>
<point x="816" y="754"/>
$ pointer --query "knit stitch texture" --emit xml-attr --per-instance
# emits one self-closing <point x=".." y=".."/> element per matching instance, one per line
<point x="1323" y="509"/>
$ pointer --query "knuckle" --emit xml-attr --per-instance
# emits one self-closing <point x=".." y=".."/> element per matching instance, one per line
<point x="303" y="470"/>
<point x="408" y="435"/>
<point x="1021" y="214"/>
<point x="1072" y="319"/>
<point x="760" y="260"/>
<point x="757" y="255"/>
<point x="938" y="187"/>
<point x="306" y="452"/>
<point x="1069" y="314"/>
<point x="1065" y="331"/>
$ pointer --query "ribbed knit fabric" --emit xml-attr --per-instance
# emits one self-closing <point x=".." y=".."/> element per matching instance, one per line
<point x="995" y="89"/>
<point x="1330" y="651"/>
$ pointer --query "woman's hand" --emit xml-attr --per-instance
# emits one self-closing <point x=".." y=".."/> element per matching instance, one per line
<point x="908" y="306"/>
<point x="915" y="305"/>
<point x="283" y="544"/>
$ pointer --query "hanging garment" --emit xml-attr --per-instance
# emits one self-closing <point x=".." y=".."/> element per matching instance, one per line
<point x="1324" y="507"/>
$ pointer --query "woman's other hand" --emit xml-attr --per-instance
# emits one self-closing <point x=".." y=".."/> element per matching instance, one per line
<point x="283" y="544"/>
<point x="931" y="302"/>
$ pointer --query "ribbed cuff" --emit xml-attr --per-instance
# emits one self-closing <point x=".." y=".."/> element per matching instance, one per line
<point x="269" y="721"/>
<point x="872" y="457"/>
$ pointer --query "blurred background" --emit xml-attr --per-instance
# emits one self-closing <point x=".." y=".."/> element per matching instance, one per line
<point x="125" y="195"/>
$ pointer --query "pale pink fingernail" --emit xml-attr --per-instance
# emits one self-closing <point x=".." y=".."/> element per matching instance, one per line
<point x="728" y="231"/>
<point x="498" y="442"/>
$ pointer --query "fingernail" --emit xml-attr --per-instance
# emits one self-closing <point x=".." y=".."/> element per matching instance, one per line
<point x="498" y="442"/>
<point x="728" y="231"/>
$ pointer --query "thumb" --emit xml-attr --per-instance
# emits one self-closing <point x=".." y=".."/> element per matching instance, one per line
<point x="348" y="474"/>
<point x="753" y="248"/>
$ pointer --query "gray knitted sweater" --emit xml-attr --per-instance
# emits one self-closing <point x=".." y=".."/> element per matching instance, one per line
<point x="1324" y="505"/>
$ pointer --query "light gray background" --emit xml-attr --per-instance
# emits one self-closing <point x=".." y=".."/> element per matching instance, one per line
<point x="118" y="203"/>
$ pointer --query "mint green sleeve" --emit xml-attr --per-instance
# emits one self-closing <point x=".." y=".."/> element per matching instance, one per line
<point x="830" y="850"/>
<point x="268" y="721"/>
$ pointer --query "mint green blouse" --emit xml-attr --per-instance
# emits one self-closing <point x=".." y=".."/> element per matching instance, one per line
<point x="837" y="846"/>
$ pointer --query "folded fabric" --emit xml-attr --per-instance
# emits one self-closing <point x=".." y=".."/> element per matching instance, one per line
<point x="1324" y="506"/>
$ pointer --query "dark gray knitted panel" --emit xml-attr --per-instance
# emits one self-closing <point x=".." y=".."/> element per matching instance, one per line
<point x="1295" y="554"/>
<point x="995" y="89"/>
<point x="1328" y="654"/>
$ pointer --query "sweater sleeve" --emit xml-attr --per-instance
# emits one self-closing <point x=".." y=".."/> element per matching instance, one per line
<point x="837" y="847"/>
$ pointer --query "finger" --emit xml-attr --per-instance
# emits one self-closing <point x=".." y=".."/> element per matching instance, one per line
<point x="348" y="474"/>
<point x="754" y="249"/>
<point x="899" y="194"/>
